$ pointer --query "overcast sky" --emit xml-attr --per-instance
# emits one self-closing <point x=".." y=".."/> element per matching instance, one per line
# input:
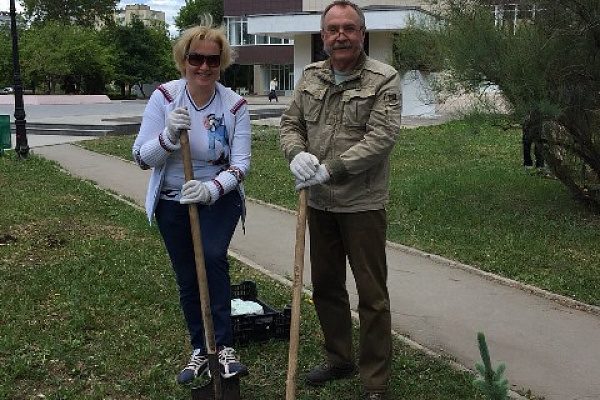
<point x="170" y="7"/>
<point x="5" y="5"/>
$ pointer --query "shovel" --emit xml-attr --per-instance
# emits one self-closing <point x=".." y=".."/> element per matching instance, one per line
<point x="290" y="389"/>
<point x="213" y="389"/>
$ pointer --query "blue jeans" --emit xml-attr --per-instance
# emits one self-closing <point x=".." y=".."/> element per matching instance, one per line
<point x="217" y="223"/>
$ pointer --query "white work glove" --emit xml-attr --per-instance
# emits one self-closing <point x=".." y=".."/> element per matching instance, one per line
<point x="321" y="176"/>
<point x="194" y="191"/>
<point x="304" y="166"/>
<point x="178" y="119"/>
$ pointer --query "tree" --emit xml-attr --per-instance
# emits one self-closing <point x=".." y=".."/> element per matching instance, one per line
<point x="79" y="12"/>
<point x="72" y="56"/>
<point x="191" y="13"/>
<point x="548" y="70"/>
<point x="6" y="59"/>
<point x="492" y="383"/>
<point x="417" y="48"/>
<point x="142" y="54"/>
<point x="6" y="70"/>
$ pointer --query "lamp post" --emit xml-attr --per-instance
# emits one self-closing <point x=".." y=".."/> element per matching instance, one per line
<point x="21" y="148"/>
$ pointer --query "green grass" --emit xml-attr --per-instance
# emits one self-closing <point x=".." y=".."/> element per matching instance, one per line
<point x="90" y="307"/>
<point x="459" y="190"/>
<point x="463" y="194"/>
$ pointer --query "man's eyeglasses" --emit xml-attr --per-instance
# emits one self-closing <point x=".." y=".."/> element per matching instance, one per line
<point x="348" y="30"/>
<point x="212" y="60"/>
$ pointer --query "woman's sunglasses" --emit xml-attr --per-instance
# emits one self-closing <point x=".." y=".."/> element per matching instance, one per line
<point x="212" y="60"/>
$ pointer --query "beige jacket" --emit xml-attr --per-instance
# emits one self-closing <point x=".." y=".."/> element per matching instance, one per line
<point x="350" y="127"/>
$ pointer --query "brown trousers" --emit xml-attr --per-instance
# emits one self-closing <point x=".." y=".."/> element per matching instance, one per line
<point x="360" y="238"/>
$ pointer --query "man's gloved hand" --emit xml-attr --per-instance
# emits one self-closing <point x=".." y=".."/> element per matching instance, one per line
<point x="304" y="166"/>
<point x="321" y="176"/>
<point x="194" y="191"/>
<point x="178" y="119"/>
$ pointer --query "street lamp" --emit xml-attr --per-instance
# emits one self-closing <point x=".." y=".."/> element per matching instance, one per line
<point x="21" y="148"/>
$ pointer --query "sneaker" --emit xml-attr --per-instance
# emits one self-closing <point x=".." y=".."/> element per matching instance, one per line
<point x="324" y="373"/>
<point x="230" y="366"/>
<point x="374" y="396"/>
<point x="197" y="366"/>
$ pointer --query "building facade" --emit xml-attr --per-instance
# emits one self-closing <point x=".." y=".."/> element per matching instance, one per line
<point x="272" y="50"/>
<point x="260" y="58"/>
<point x="298" y="21"/>
<point x="140" y="11"/>
<point x="4" y="18"/>
<point x="278" y="38"/>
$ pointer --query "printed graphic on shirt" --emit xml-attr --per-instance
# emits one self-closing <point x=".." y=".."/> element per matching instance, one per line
<point x="217" y="132"/>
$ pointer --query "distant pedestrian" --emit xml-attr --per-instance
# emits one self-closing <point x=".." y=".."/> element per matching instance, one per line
<point x="532" y="132"/>
<point x="273" y="90"/>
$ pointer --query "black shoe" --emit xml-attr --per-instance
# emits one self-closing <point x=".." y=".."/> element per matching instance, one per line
<point x="374" y="396"/>
<point x="197" y="366"/>
<point x="324" y="373"/>
<point x="229" y="364"/>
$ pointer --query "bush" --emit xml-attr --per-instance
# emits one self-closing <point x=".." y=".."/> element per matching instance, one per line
<point x="417" y="48"/>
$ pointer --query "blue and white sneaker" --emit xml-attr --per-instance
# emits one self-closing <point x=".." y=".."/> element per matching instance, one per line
<point x="229" y="364"/>
<point x="197" y="366"/>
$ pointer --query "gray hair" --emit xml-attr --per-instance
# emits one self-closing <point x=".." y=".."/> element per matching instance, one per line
<point x="345" y="3"/>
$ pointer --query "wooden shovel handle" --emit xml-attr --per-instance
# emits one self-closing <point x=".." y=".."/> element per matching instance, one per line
<point x="209" y="330"/>
<point x="290" y="391"/>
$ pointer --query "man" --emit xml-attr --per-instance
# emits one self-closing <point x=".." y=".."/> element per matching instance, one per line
<point x="338" y="133"/>
<point x="532" y="135"/>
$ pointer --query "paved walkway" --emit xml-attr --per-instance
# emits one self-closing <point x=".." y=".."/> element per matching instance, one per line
<point x="550" y="346"/>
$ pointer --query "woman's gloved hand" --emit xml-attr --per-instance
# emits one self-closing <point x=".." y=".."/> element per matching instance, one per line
<point x="194" y="191"/>
<point x="178" y="119"/>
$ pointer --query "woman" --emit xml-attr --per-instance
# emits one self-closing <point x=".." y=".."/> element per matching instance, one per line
<point x="273" y="90"/>
<point x="218" y="123"/>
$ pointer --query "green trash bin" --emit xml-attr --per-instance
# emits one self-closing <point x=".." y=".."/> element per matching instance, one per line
<point x="5" y="142"/>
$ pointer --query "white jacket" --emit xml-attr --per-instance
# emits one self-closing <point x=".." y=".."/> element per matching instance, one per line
<point x="149" y="152"/>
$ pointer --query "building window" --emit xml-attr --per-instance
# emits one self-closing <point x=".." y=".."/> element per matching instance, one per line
<point x="284" y="75"/>
<point x="262" y="39"/>
<point x="511" y="16"/>
<point x="237" y="32"/>
<point x="234" y="31"/>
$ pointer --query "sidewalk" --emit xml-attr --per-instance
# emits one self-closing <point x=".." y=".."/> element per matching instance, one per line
<point x="549" y="347"/>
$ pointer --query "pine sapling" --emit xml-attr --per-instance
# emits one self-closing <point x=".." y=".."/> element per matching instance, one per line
<point x="492" y="384"/>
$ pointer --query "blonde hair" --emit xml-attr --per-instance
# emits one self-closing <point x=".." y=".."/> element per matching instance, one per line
<point x="206" y="30"/>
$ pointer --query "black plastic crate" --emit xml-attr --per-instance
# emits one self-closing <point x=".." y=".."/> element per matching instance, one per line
<point x="272" y="324"/>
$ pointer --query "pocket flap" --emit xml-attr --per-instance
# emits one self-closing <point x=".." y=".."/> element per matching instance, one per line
<point x="318" y="92"/>
<point x="361" y="93"/>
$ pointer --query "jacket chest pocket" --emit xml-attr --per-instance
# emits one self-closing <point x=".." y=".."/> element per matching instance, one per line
<point x="313" y="102"/>
<point x="357" y="105"/>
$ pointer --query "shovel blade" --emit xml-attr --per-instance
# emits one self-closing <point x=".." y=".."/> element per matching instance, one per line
<point x="229" y="387"/>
